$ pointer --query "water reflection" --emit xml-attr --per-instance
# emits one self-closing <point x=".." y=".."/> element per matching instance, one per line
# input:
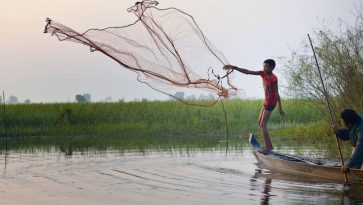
<point x="333" y="192"/>
<point x="6" y="154"/>
<point x="169" y="174"/>
<point x="84" y="144"/>
<point x="266" y="192"/>
<point x="355" y="192"/>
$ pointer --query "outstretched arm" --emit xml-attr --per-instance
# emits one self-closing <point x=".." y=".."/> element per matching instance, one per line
<point x="242" y="70"/>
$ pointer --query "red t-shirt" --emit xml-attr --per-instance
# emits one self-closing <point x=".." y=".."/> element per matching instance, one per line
<point x="268" y="85"/>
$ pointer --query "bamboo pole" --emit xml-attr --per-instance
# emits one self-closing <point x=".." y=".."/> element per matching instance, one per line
<point x="329" y="106"/>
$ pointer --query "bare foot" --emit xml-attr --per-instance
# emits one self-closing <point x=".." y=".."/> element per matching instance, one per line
<point x="265" y="150"/>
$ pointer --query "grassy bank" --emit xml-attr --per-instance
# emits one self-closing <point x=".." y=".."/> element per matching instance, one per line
<point x="139" y="125"/>
<point x="153" y="118"/>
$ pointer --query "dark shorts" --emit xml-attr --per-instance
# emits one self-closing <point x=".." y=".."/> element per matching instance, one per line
<point x="269" y="107"/>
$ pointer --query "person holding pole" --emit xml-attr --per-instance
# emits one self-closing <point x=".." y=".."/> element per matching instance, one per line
<point x="353" y="132"/>
<point x="329" y="108"/>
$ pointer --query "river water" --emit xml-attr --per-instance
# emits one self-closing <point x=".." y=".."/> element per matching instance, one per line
<point x="175" y="176"/>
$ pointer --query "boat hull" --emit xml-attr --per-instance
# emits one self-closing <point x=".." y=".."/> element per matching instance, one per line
<point x="294" y="165"/>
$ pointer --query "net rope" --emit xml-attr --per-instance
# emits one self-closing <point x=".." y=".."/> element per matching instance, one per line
<point x="165" y="47"/>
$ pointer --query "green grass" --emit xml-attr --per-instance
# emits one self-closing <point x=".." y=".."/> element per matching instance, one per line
<point x="153" y="124"/>
<point x="149" y="118"/>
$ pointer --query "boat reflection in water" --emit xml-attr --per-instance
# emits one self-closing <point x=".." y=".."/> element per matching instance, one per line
<point x="304" y="178"/>
<point x="304" y="186"/>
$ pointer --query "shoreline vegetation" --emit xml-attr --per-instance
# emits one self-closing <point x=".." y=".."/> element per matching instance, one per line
<point x="157" y="118"/>
<point x="155" y="124"/>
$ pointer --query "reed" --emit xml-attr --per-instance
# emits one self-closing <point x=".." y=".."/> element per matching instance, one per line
<point x="149" y="118"/>
<point x="156" y="124"/>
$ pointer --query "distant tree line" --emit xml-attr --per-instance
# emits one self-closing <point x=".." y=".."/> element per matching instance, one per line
<point x="181" y="96"/>
<point x="13" y="100"/>
<point x="85" y="98"/>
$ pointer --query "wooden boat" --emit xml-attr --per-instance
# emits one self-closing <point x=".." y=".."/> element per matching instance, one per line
<point x="285" y="163"/>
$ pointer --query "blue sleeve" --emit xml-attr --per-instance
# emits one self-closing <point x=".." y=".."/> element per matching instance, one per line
<point x="357" y="157"/>
<point x="343" y="134"/>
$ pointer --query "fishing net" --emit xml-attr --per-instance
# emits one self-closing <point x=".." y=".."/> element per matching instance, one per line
<point x="165" y="47"/>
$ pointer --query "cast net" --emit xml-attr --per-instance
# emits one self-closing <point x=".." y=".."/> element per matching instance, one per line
<point x="165" y="47"/>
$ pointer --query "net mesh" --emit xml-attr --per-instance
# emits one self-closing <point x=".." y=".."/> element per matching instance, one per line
<point x="165" y="47"/>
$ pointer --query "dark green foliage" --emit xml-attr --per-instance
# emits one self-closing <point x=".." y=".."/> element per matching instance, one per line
<point x="341" y="59"/>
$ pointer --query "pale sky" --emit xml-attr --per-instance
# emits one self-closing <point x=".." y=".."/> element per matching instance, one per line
<point x="38" y="67"/>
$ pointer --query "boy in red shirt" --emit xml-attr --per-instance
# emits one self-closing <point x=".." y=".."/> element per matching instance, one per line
<point x="272" y="97"/>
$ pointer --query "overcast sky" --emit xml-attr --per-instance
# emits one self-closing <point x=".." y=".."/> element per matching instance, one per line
<point x="38" y="67"/>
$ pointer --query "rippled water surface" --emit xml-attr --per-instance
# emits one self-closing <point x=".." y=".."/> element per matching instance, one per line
<point x="158" y="177"/>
